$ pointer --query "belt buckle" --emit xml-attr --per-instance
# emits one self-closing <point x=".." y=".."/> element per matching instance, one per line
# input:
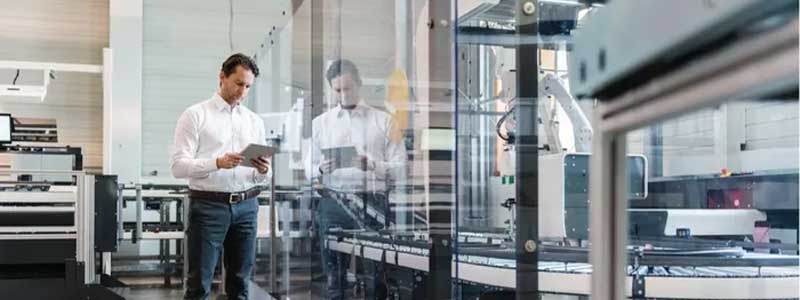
<point x="234" y="198"/>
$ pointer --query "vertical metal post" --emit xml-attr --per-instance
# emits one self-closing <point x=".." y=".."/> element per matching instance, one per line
<point x="167" y="255"/>
<point x="442" y="91"/>
<point x="179" y="249"/>
<point x="402" y="39"/>
<point x="86" y="227"/>
<point x="120" y="203"/>
<point x="273" y="239"/>
<point x="106" y="264"/>
<point x="108" y="71"/>
<point x="527" y="152"/>
<point x="138" y="233"/>
<point x="608" y="215"/>
<point x="317" y="103"/>
<point x="184" y="241"/>
<point x="162" y="260"/>
<point x="78" y="219"/>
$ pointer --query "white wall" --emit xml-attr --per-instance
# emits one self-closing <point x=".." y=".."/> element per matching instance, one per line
<point x="65" y="32"/>
<point x="706" y="141"/>
<point x="771" y="125"/>
<point x="689" y="143"/>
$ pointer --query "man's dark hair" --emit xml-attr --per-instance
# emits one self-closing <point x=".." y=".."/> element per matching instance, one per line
<point x="238" y="59"/>
<point x="340" y="67"/>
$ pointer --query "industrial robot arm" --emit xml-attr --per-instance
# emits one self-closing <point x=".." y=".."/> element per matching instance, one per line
<point x="551" y="87"/>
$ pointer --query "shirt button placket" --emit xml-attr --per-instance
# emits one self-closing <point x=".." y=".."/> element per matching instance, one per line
<point x="233" y="144"/>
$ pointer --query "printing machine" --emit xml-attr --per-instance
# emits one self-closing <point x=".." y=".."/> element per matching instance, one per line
<point x="54" y="219"/>
<point x="49" y="238"/>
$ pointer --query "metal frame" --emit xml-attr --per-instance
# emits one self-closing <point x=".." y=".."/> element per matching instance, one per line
<point x="566" y="271"/>
<point x="527" y="140"/>
<point x="441" y="87"/>
<point x="609" y="53"/>
<point x="85" y="216"/>
<point x="747" y="69"/>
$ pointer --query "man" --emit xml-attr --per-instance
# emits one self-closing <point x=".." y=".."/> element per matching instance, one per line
<point x="223" y="207"/>
<point x="351" y="123"/>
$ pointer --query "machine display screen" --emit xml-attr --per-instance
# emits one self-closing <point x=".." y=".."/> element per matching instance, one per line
<point x="576" y="170"/>
<point x="5" y="128"/>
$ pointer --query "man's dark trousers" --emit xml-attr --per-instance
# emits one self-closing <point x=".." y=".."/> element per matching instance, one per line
<point x="213" y="226"/>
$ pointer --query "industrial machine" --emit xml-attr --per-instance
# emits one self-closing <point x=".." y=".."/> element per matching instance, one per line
<point x="49" y="237"/>
<point x="688" y="237"/>
<point x="54" y="220"/>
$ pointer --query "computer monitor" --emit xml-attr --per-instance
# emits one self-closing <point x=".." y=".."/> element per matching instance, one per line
<point x="6" y="126"/>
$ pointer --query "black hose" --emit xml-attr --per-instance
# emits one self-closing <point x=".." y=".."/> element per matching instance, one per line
<point x="15" y="78"/>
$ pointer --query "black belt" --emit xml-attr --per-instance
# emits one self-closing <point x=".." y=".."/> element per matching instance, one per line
<point x="231" y="198"/>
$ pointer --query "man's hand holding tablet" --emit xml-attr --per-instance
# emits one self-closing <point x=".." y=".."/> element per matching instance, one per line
<point x="257" y="156"/>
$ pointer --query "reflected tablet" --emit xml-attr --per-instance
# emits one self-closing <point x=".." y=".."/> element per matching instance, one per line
<point x="343" y="157"/>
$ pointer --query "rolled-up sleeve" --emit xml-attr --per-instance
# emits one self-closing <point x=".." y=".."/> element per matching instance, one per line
<point x="183" y="163"/>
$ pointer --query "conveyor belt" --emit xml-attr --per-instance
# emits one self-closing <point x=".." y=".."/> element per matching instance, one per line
<point x="727" y="273"/>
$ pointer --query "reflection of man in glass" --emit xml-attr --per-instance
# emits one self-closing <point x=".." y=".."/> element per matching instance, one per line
<point x="352" y="153"/>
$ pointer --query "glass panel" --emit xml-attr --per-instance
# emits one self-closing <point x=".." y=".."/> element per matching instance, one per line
<point x="720" y="215"/>
<point x="380" y="149"/>
<point x="523" y="154"/>
<point x="281" y="97"/>
<point x="408" y="166"/>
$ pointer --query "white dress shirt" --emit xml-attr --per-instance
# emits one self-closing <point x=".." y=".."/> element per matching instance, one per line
<point x="208" y="130"/>
<point x="365" y="128"/>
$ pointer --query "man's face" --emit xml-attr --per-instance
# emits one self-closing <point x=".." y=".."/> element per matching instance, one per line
<point x="345" y="89"/>
<point x="234" y="88"/>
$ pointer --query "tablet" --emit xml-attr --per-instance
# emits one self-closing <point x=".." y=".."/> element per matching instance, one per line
<point x="253" y="151"/>
<point x="343" y="157"/>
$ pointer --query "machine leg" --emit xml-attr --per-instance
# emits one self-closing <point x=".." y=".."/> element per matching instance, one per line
<point x="106" y="263"/>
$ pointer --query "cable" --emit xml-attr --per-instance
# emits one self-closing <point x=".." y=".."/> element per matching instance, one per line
<point x="230" y="24"/>
<point x="500" y="122"/>
<point x="15" y="78"/>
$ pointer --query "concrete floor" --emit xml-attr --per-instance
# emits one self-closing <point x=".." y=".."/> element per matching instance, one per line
<point x="145" y="293"/>
<point x="151" y="288"/>
<point x="156" y="293"/>
<point x="301" y="287"/>
<point x="153" y="292"/>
